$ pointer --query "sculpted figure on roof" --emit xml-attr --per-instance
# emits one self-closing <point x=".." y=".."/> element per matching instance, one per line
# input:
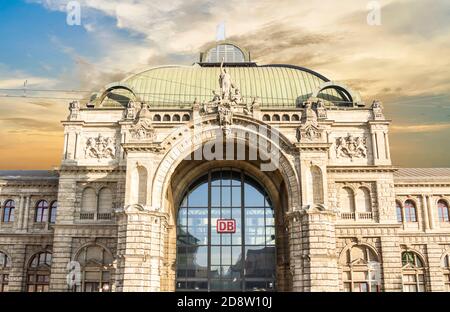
<point x="225" y="82"/>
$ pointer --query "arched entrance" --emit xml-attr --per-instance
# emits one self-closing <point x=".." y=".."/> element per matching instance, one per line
<point x="210" y="259"/>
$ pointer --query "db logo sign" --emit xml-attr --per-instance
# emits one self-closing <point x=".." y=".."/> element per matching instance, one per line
<point x="226" y="226"/>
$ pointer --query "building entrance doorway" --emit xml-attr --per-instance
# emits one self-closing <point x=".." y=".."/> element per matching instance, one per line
<point x="240" y="254"/>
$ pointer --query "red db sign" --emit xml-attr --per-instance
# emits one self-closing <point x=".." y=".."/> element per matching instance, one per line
<point x="226" y="226"/>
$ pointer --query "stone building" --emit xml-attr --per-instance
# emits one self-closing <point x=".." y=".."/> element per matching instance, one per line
<point x="296" y="166"/>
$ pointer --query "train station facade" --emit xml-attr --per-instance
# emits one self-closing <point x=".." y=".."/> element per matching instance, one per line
<point x="225" y="175"/>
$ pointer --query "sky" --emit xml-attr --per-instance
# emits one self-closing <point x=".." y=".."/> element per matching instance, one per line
<point x="404" y="61"/>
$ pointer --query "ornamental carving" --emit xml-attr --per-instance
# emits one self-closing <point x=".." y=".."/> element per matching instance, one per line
<point x="351" y="147"/>
<point x="377" y="109"/>
<point x="74" y="109"/>
<point x="310" y="129"/>
<point x="142" y="128"/>
<point x="227" y="101"/>
<point x="100" y="147"/>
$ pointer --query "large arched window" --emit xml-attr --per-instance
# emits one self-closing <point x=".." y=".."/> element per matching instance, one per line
<point x="347" y="203"/>
<point x="38" y="274"/>
<point x="210" y="259"/>
<point x="105" y="203"/>
<point x="317" y="184"/>
<point x="410" y="211"/>
<point x="8" y="211"/>
<point x="399" y="211"/>
<point x="88" y="204"/>
<point x="5" y="265"/>
<point x="96" y="265"/>
<point x="443" y="211"/>
<point x="363" y="202"/>
<point x="446" y="271"/>
<point x="53" y="209"/>
<point x="227" y="52"/>
<point x="42" y="211"/>
<point x="361" y="270"/>
<point x="413" y="272"/>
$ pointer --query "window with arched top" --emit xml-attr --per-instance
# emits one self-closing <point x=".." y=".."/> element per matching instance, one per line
<point x="105" y="203"/>
<point x="399" y="211"/>
<point x="166" y="118"/>
<point x="228" y="53"/>
<point x="266" y="117"/>
<point x="8" y="211"/>
<point x="157" y="118"/>
<point x="176" y="118"/>
<point x="446" y="271"/>
<point x="38" y="272"/>
<point x="186" y="117"/>
<point x="142" y="177"/>
<point x="53" y="209"/>
<point x="41" y="211"/>
<point x="443" y="211"/>
<point x="276" y="117"/>
<point x="413" y="272"/>
<point x="363" y="201"/>
<point x="5" y="265"/>
<point x="96" y="264"/>
<point x="361" y="270"/>
<point x="295" y="117"/>
<point x="347" y="200"/>
<point x="286" y="117"/>
<point x="410" y="211"/>
<point x="317" y="185"/>
<point x="88" y="203"/>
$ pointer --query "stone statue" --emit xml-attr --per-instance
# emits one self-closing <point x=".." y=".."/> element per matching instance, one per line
<point x="377" y="108"/>
<point x="74" y="108"/>
<point x="236" y="98"/>
<point x="225" y="81"/>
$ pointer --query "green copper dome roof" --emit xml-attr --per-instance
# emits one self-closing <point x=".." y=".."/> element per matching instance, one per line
<point x="274" y="85"/>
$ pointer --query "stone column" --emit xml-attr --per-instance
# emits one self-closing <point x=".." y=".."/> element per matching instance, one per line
<point x="391" y="261"/>
<point x="18" y="271"/>
<point x="435" y="278"/>
<point x="295" y="250"/>
<point x="318" y="251"/>
<point x="430" y="212"/>
<point x="140" y="249"/>
<point x="62" y="253"/>
<point x="424" y="204"/>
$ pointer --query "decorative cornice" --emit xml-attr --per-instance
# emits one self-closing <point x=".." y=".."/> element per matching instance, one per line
<point x="352" y="169"/>
<point x="421" y="184"/>
<point x="143" y="147"/>
<point x="94" y="169"/>
<point x="322" y="147"/>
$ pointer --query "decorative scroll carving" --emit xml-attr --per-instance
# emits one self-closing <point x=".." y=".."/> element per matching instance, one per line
<point x="100" y="147"/>
<point x="142" y="128"/>
<point x="351" y="147"/>
<point x="74" y="108"/>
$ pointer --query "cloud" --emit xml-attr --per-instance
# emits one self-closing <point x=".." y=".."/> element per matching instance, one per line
<point x="419" y="128"/>
<point x="403" y="62"/>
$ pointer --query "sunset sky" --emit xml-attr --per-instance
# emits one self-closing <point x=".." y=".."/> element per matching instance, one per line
<point x="405" y="61"/>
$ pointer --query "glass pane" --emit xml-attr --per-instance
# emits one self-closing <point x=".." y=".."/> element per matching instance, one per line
<point x="236" y="197"/>
<point x="229" y="268"/>
<point x="253" y="197"/>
